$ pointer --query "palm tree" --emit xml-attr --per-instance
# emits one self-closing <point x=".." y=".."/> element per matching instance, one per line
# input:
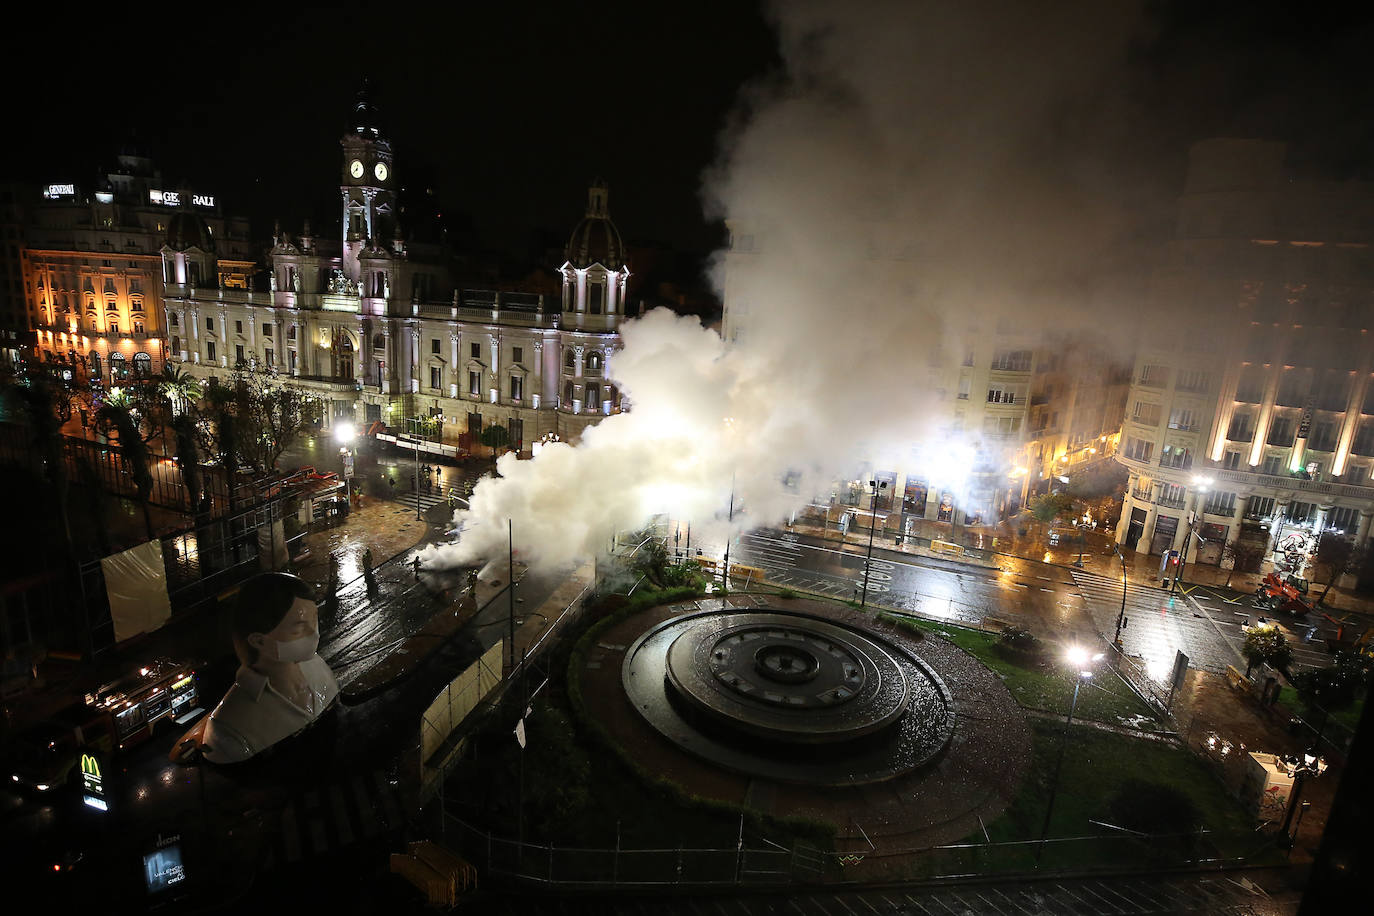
<point x="135" y="453"/>
<point x="188" y="458"/>
<point x="180" y="387"/>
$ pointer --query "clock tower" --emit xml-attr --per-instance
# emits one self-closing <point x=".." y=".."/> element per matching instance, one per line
<point x="367" y="184"/>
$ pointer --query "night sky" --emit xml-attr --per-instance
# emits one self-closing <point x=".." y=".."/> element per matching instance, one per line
<point x="506" y="110"/>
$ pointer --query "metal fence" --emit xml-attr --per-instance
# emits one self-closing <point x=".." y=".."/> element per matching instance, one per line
<point x="757" y="861"/>
<point x="570" y="866"/>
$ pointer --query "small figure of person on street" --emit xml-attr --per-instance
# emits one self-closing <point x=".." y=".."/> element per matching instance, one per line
<point x="417" y="568"/>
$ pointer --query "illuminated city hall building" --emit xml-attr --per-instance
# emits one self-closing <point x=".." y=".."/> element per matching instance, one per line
<point x="93" y="267"/>
<point x="1253" y="419"/>
<point x="382" y="330"/>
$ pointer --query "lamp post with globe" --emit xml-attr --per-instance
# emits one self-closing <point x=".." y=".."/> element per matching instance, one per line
<point x="347" y="437"/>
<point x="1082" y="661"/>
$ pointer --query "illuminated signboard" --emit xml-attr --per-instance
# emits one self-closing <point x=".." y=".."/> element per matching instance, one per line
<point x="162" y="868"/>
<point x="182" y="683"/>
<point x="60" y="190"/>
<point x="173" y="198"/>
<point x="92" y="783"/>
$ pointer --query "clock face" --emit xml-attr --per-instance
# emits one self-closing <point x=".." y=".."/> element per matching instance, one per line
<point x="355" y="168"/>
<point x="380" y="171"/>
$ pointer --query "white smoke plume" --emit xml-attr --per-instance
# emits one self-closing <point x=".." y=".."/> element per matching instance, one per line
<point x="914" y="174"/>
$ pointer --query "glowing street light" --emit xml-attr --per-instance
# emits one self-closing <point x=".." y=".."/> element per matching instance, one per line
<point x="346" y="435"/>
<point x="1082" y="661"/>
<point x="1201" y="483"/>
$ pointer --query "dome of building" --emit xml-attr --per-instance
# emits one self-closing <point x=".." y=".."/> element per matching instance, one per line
<point x="189" y="230"/>
<point x="596" y="240"/>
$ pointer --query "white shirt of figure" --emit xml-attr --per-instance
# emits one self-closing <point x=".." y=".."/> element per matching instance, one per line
<point x="254" y="714"/>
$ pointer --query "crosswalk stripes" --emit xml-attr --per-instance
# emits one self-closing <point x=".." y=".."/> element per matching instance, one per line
<point x="331" y="817"/>
<point x="426" y="499"/>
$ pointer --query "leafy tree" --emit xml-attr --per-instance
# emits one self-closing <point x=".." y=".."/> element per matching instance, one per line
<point x="1339" y="556"/>
<point x="1245" y="556"/>
<point x="1337" y="686"/>
<point x="94" y="488"/>
<point x="1264" y="644"/>
<point x="270" y="416"/>
<point x="224" y="437"/>
<point x="39" y="399"/>
<point x="134" y="450"/>
<point x="495" y="438"/>
<point x="188" y="458"/>
<point x="1050" y="506"/>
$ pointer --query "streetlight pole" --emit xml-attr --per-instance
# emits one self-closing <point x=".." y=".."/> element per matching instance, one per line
<point x="1080" y="658"/>
<point x="1300" y="768"/>
<point x="1121" y="617"/>
<point x="1200" y="484"/>
<point x="729" y="534"/>
<point x="872" y="526"/>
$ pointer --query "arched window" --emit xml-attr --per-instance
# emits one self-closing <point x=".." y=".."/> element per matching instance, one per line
<point x="176" y="344"/>
<point x="568" y="395"/>
<point x="173" y="320"/>
<point x="379" y="341"/>
<point x="594" y="396"/>
<point x="118" y="368"/>
<point x="568" y="358"/>
<point x="143" y="365"/>
<point x="593" y="361"/>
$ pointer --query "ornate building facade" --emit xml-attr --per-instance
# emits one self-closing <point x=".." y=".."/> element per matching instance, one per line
<point x="381" y="330"/>
<point x="93" y="267"/>
<point x="1251" y="418"/>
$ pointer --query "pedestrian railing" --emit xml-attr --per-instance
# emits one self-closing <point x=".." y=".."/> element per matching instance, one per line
<point x="757" y="861"/>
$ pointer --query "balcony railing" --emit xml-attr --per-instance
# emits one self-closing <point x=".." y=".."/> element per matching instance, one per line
<point x="1171" y="502"/>
<point x="1145" y="494"/>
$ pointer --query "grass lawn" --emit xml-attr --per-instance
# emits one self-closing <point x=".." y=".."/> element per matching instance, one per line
<point x="1097" y="764"/>
<point x="1349" y="717"/>
<point x="1048" y="686"/>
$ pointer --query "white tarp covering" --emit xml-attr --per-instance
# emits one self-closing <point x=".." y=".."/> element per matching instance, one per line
<point x="455" y="701"/>
<point x="136" y="583"/>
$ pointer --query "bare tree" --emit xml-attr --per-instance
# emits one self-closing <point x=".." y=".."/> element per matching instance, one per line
<point x="1338" y="555"/>
<point x="1245" y="556"/>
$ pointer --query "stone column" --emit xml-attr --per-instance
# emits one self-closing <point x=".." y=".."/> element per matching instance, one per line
<point x="538" y="385"/>
<point x="1147" y="534"/>
<point x="387" y="357"/>
<point x="1362" y="529"/>
<point x="224" y="336"/>
<point x="454" y="369"/>
<point x="414" y="360"/>
<point x="195" y="335"/>
<point x="1237" y="516"/>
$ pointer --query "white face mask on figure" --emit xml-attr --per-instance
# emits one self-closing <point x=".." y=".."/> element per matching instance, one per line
<point x="297" y="650"/>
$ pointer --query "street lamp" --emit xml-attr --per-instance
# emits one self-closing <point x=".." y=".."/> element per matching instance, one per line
<point x="1120" y="618"/>
<point x="346" y="435"/>
<point x="1298" y="767"/>
<point x="877" y="485"/>
<point x="1082" y="660"/>
<point x="1201" y="484"/>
